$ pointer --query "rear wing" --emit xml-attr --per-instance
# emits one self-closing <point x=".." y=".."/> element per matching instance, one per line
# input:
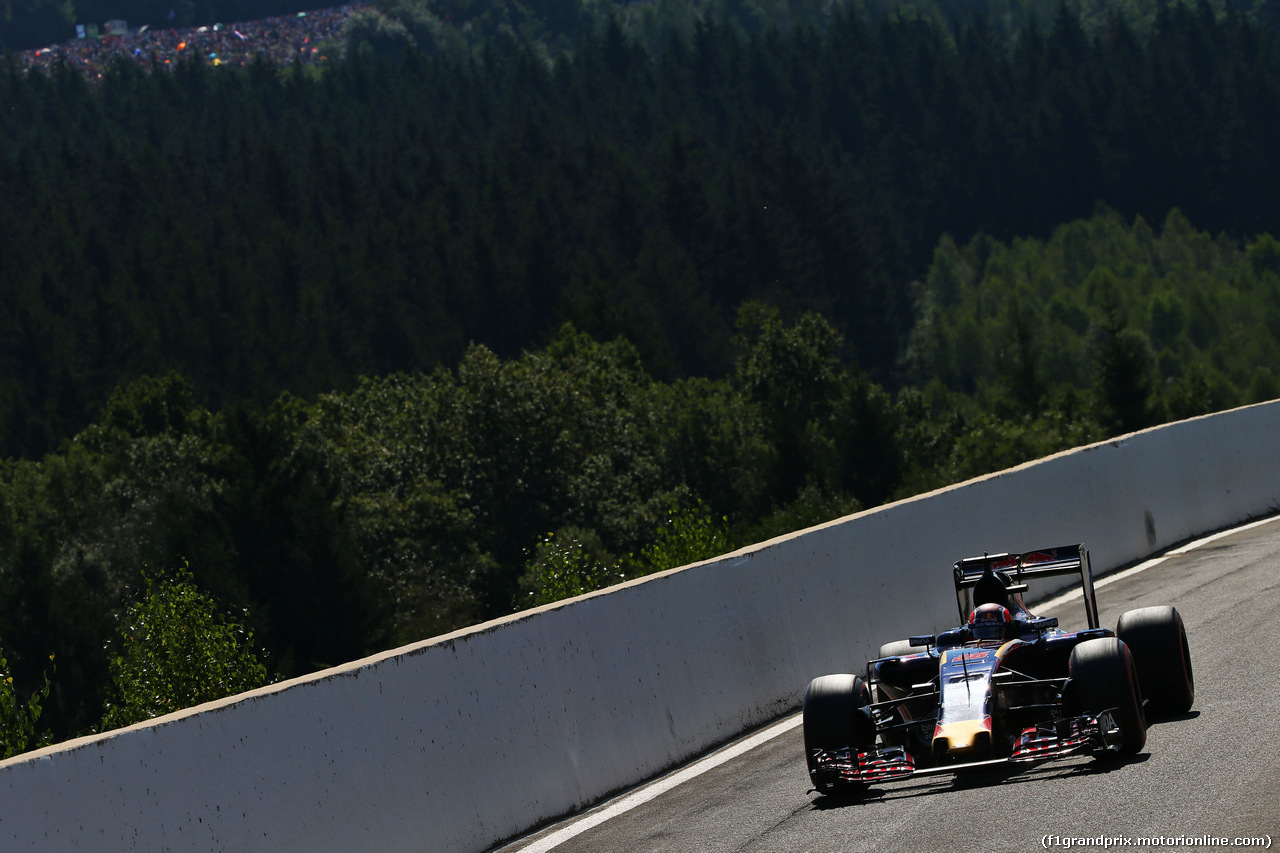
<point x="1017" y="569"/>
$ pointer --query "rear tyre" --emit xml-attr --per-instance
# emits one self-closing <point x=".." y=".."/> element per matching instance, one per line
<point x="1104" y="677"/>
<point x="1158" y="641"/>
<point x="833" y="721"/>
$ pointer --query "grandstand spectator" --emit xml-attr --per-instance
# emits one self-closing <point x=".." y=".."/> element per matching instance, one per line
<point x="305" y="37"/>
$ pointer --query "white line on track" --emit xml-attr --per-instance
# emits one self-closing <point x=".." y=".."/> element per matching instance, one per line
<point x="1072" y="595"/>
<point x="661" y="786"/>
<point x="655" y="789"/>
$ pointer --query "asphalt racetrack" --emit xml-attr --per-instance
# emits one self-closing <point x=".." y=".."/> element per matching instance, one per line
<point x="1208" y="780"/>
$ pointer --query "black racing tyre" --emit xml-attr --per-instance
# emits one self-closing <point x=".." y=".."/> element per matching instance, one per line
<point x="832" y="721"/>
<point x="897" y="648"/>
<point x="1103" y="676"/>
<point x="1158" y="640"/>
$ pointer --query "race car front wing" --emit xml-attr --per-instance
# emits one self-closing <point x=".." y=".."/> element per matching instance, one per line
<point x="1084" y="735"/>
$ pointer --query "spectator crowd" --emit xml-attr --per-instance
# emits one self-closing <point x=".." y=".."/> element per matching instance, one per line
<point x="306" y="37"/>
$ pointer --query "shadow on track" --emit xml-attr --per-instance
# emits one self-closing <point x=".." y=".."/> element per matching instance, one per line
<point x="1176" y="718"/>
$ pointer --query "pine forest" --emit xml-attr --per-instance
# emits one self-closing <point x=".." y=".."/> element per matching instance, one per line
<point x="506" y="302"/>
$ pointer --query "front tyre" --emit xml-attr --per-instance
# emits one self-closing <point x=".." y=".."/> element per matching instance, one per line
<point x="1104" y="678"/>
<point x="834" y="721"/>
<point x="897" y="649"/>
<point x="1158" y="641"/>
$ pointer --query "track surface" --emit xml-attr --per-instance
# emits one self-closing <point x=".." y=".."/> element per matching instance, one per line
<point x="1214" y="772"/>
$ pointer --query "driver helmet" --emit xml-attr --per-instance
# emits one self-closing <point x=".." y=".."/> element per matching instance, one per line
<point x="990" y="622"/>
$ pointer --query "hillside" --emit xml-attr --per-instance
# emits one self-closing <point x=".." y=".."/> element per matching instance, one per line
<point x="408" y="340"/>
<point x="265" y="229"/>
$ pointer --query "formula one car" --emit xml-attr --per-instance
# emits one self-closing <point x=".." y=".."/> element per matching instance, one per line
<point x="1004" y="686"/>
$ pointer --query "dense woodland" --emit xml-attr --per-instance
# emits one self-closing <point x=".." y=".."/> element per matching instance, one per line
<point x="427" y="336"/>
<point x="552" y="27"/>
<point x="263" y="231"/>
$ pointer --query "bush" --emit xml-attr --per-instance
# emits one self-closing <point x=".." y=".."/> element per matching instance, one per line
<point x="174" y="649"/>
<point x="18" y="719"/>
<point x="690" y="535"/>
<point x="571" y="563"/>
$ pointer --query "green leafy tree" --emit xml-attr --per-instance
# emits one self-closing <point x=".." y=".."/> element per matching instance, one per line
<point x="175" y="649"/>
<point x="690" y="534"/>
<point x="17" y="718"/>
<point x="150" y="406"/>
<point x="713" y="440"/>
<point x="814" y="505"/>
<point x="1124" y="375"/>
<point x="574" y="561"/>
<point x="1140" y="324"/>
<point x="566" y="564"/>
<point x="794" y="375"/>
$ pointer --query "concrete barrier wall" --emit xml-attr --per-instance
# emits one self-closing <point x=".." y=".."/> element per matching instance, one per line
<point x="459" y="742"/>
